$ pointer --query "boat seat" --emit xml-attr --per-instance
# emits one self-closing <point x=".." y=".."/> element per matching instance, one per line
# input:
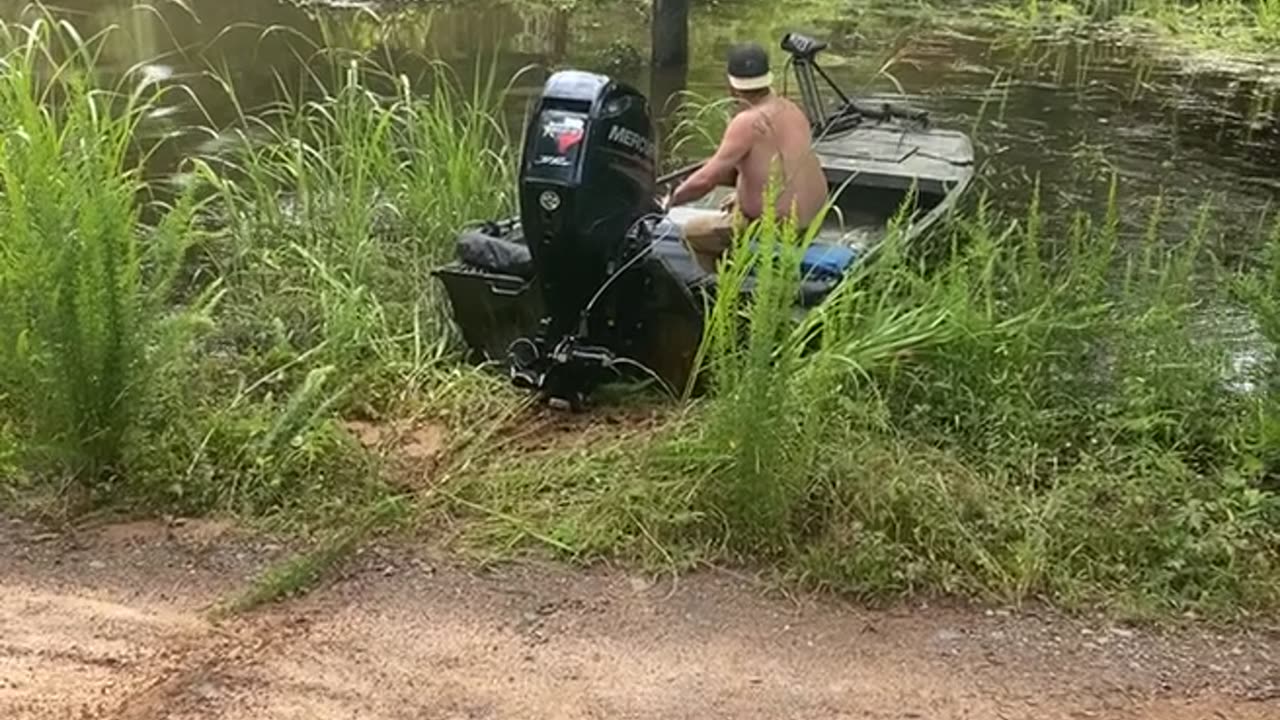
<point x="822" y="267"/>
<point x="832" y="252"/>
<point x="486" y="248"/>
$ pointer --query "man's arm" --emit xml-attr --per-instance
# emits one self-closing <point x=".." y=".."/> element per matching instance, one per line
<point x="721" y="167"/>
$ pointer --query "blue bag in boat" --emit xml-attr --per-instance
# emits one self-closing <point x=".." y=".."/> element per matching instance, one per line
<point x="826" y="261"/>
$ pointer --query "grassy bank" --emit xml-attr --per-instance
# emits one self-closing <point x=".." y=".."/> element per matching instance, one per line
<point x="1039" y="411"/>
<point x="1039" y="415"/>
<point x="1217" y="27"/>
<point x="193" y="350"/>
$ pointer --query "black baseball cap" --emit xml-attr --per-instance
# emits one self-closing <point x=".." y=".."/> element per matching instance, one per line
<point x="749" y="67"/>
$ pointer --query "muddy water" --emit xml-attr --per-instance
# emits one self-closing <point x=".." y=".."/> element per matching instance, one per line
<point x="1066" y="110"/>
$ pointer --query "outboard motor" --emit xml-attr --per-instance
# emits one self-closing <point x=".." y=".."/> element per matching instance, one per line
<point x="587" y="179"/>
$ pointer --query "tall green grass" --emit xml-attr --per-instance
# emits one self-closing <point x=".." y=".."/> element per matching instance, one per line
<point x="1259" y="291"/>
<point x="88" y="329"/>
<point x="302" y="256"/>
<point x="791" y="374"/>
<point x="343" y="197"/>
<point x="1038" y="414"/>
<point x="334" y="204"/>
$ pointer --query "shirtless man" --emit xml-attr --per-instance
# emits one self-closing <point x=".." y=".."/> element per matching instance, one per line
<point x="768" y="128"/>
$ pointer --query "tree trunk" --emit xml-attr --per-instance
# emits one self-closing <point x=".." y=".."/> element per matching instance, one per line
<point x="670" y="33"/>
<point x="665" y="86"/>
<point x="560" y="36"/>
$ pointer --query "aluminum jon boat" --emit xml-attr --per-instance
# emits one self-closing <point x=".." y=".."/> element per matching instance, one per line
<point x="592" y="282"/>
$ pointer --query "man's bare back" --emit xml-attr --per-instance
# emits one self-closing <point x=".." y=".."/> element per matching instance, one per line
<point x="770" y="134"/>
<point x="781" y="133"/>
<point x="770" y="138"/>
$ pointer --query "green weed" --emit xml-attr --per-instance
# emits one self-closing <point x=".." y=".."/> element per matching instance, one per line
<point x="764" y="364"/>
<point x="302" y="572"/>
<point x="1035" y="412"/>
<point x="335" y="204"/>
<point x="340" y="206"/>
<point x="1231" y="25"/>
<point x="1139" y="532"/>
<point x="197" y="352"/>
<point x="275" y="449"/>
<point x="86" y="286"/>
<point x="1035" y="415"/>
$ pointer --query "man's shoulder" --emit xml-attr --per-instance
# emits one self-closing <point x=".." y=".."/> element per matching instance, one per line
<point x="778" y="106"/>
<point x="744" y="117"/>
<point x="793" y="108"/>
<point x="786" y="102"/>
<point x="746" y="122"/>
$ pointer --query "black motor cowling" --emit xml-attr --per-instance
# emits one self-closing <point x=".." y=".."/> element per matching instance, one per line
<point x="587" y="175"/>
<point x="579" y="290"/>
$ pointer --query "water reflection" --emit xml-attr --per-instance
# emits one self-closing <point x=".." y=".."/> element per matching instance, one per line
<point x="1066" y="111"/>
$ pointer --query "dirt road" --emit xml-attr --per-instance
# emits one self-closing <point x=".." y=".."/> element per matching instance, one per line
<point x="110" y="624"/>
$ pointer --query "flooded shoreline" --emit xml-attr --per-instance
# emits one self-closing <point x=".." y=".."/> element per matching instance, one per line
<point x="1069" y="110"/>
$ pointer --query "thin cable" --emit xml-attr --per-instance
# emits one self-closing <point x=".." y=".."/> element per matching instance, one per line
<point x="646" y="370"/>
<point x="618" y="273"/>
<point x="524" y="340"/>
